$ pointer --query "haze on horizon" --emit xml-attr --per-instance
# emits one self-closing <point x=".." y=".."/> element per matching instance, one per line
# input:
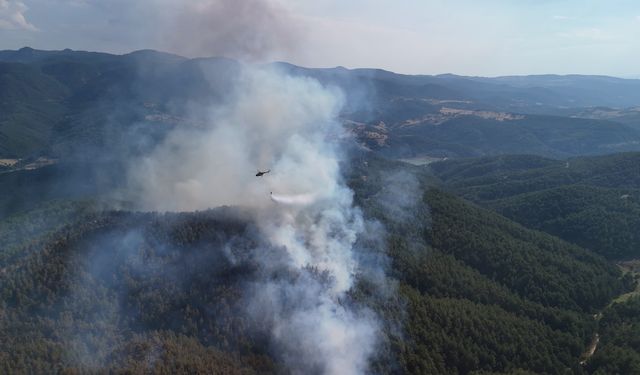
<point x="488" y="38"/>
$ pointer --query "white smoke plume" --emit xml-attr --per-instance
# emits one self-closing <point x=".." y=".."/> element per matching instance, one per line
<point x="12" y="16"/>
<point x="281" y="123"/>
<point x="250" y="30"/>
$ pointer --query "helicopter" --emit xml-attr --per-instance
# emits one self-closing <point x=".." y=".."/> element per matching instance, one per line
<point x="260" y="173"/>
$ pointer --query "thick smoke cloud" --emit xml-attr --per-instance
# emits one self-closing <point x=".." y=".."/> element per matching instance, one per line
<point x="274" y="122"/>
<point x="12" y="16"/>
<point x="249" y="30"/>
<point x="286" y="124"/>
<point x="271" y="120"/>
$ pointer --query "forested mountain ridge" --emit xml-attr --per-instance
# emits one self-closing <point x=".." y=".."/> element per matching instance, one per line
<point x="30" y="103"/>
<point x="473" y="291"/>
<point x="507" y="174"/>
<point x="69" y="113"/>
<point x="590" y="201"/>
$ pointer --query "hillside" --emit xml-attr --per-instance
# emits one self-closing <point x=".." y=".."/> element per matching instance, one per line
<point x="30" y="103"/>
<point x="465" y="289"/>
<point x="464" y="134"/>
<point x="592" y="202"/>
<point x="107" y="290"/>
<point x="606" y="221"/>
<point x="27" y="189"/>
<point x="618" y="350"/>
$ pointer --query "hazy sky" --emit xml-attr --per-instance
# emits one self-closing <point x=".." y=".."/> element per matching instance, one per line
<point x="472" y="37"/>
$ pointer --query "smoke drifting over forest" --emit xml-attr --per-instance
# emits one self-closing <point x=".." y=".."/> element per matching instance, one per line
<point x="287" y="124"/>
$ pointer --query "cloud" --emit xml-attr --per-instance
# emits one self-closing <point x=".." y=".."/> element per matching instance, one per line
<point x="12" y="16"/>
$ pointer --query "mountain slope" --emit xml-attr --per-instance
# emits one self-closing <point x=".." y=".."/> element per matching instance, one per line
<point x="488" y="134"/>
<point x="474" y="292"/>
<point x="606" y="221"/>
<point x="592" y="202"/>
<point x="30" y="104"/>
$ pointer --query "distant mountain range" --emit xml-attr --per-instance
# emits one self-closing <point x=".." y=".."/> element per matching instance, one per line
<point x="64" y="103"/>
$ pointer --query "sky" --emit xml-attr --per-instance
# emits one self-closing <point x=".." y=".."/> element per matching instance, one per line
<point x="468" y="37"/>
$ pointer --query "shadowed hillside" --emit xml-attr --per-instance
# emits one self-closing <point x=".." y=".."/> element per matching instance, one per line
<point x="592" y="202"/>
